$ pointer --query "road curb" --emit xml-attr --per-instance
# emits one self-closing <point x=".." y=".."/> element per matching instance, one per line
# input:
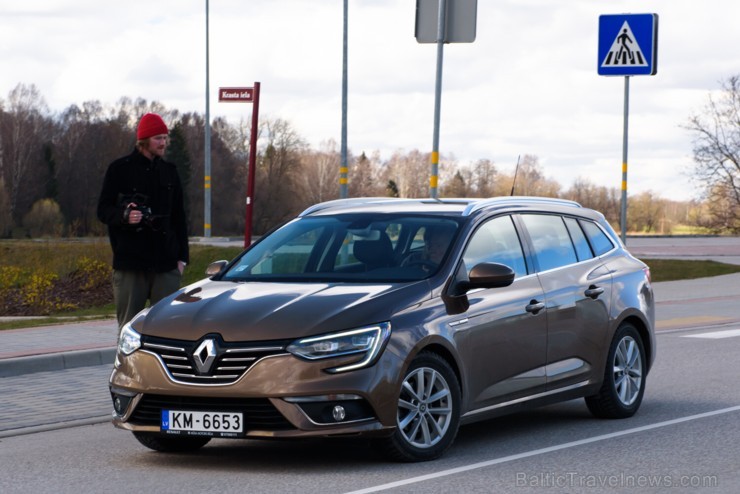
<point x="55" y="426"/>
<point x="56" y="361"/>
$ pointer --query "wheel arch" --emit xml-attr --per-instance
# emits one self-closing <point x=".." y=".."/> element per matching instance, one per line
<point x="645" y="335"/>
<point x="447" y="355"/>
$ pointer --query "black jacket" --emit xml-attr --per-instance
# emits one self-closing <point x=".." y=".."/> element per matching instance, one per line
<point x="157" y="243"/>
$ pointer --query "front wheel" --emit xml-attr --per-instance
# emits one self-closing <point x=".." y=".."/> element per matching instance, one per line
<point x="624" y="378"/>
<point x="174" y="444"/>
<point x="428" y="411"/>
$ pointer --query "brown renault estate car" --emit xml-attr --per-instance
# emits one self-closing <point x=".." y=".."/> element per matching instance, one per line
<point x="396" y="319"/>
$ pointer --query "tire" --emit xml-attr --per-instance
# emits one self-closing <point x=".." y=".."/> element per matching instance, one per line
<point x="624" y="377"/>
<point x="172" y="444"/>
<point x="428" y="413"/>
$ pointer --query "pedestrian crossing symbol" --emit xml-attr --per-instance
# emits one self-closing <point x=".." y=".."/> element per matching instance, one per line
<point x="628" y="44"/>
<point x="625" y="50"/>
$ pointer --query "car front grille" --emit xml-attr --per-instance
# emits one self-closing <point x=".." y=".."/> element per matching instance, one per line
<point x="230" y="360"/>
<point x="259" y="413"/>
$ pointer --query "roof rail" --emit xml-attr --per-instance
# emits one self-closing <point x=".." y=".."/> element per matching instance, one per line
<point x="358" y="201"/>
<point x="342" y="202"/>
<point x="504" y="201"/>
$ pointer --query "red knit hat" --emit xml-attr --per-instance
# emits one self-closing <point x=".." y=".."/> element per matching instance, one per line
<point x="150" y="125"/>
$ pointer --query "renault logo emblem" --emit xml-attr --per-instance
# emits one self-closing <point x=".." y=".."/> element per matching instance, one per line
<point x="204" y="356"/>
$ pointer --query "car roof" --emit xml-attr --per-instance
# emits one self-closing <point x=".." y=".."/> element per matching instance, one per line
<point x="449" y="206"/>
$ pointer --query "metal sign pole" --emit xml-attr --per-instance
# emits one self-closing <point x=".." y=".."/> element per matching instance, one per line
<point x="252" y="166"/>
<point x="623" y="217"/>
<point x="343" y="165"/>
<point x="207" y="150"/>
<point x="433" y="179"/>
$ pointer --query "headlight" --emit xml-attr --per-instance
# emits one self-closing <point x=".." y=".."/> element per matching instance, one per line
<point x="129" y="340"/>
<point x="368" y="341"/>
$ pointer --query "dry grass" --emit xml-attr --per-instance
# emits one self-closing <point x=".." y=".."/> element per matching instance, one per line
<point x="72" y="277"/>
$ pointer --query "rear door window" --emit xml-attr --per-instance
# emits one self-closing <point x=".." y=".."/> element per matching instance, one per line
<point x="600" y="242"/>
<point x="583" y="249"/>
<point x="551" y="241"/>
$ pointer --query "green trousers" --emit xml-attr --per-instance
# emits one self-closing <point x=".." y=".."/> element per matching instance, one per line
<point x="132" y="290"/>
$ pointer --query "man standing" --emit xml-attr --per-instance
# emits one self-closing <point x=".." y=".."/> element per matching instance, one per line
<point x="142" y="203"/>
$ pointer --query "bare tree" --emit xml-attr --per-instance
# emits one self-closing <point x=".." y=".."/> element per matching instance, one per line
<point x="86" y="140"/>
<point x="23" y="132"/>
<point x="320" y="173"/>
<point x="723" y="210"/>
<point x="193" y="128"/>
<point x="6" y="221"/>
<point x="278" y="167"/>
<point x="717" y="153"/>
<point x="459" y="185"/>
<point x="484" y="176"/>
<point x="410" y="173"/>
<point x="603" y="199"/>
<point x="367" y="176"/>
<point x="647" y="211"/>
<point x="531" y="180"/>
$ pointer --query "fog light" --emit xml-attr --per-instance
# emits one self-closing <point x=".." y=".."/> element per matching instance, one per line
<point x="338" y="413"/>
<point x="120" y="403"/>
<point x="333" y="409"/>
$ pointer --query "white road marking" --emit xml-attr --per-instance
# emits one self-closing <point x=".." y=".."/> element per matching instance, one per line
<point x="528" y="454"/>
<point x="715" y="335"/>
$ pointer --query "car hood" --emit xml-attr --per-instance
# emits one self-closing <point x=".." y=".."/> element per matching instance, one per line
<point x="257" y="311"/>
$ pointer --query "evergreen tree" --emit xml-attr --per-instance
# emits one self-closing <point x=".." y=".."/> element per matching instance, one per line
<point x="177" y="153"/>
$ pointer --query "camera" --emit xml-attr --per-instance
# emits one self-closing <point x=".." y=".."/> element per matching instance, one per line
<point x="146" y="212"/>
<point x="139" y="201"/>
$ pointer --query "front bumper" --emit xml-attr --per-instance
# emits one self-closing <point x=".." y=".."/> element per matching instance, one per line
<point x="280" y="396"/>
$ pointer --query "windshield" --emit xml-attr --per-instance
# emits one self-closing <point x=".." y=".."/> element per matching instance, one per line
<point x="358" y="248"/>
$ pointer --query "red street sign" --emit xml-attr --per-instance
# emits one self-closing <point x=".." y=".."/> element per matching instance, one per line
<point x="236" y="94"/>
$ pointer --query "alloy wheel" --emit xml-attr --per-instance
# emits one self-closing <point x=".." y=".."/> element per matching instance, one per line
<point x="627" y="370"/>
<point x="424" y="408"/>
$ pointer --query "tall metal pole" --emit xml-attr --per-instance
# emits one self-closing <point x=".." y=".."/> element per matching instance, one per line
<point x="252" y="167"/>
<point x="207" y="174"/>
<point x="343" y="167"/>
<point x="441" y="21"/>
<point x="623" y="216"/>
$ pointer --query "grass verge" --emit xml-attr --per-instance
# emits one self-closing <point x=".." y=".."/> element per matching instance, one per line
<point x="674" y="270"/>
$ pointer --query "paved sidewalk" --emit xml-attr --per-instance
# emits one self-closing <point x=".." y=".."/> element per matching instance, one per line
<point x="52" y="400"/>
<point x="56" y="376"/>
<point x="58" y="347"/>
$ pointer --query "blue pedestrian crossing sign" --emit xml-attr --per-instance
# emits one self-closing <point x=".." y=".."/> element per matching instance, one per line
<point x="628" y="44"/>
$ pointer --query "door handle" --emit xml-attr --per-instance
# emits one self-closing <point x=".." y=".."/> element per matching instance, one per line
<point x="534" y="306"/>
<point x="594" y="292"/>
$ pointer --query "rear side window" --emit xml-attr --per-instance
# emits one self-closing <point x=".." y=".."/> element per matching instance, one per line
<point x="600" y="242"/>
<point x="583" y="250"/>
<point x="551" y="241"/>
<point x="496" y="241"/>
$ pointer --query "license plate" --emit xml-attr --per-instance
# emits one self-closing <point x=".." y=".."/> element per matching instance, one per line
<point x="202" y="423"/>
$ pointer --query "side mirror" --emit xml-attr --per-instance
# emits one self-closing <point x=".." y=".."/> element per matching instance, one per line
<point x="216" y="267"/>
<point x="483" y="275"/>
<point x="490" y="275"/>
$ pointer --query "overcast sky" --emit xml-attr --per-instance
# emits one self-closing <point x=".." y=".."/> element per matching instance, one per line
<point x="527" y="85"/>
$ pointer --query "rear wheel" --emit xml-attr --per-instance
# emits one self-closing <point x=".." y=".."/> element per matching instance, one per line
<point x="624" y="377"/>
<point x="428" y="411"/>
<point x="174" y="444"/>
